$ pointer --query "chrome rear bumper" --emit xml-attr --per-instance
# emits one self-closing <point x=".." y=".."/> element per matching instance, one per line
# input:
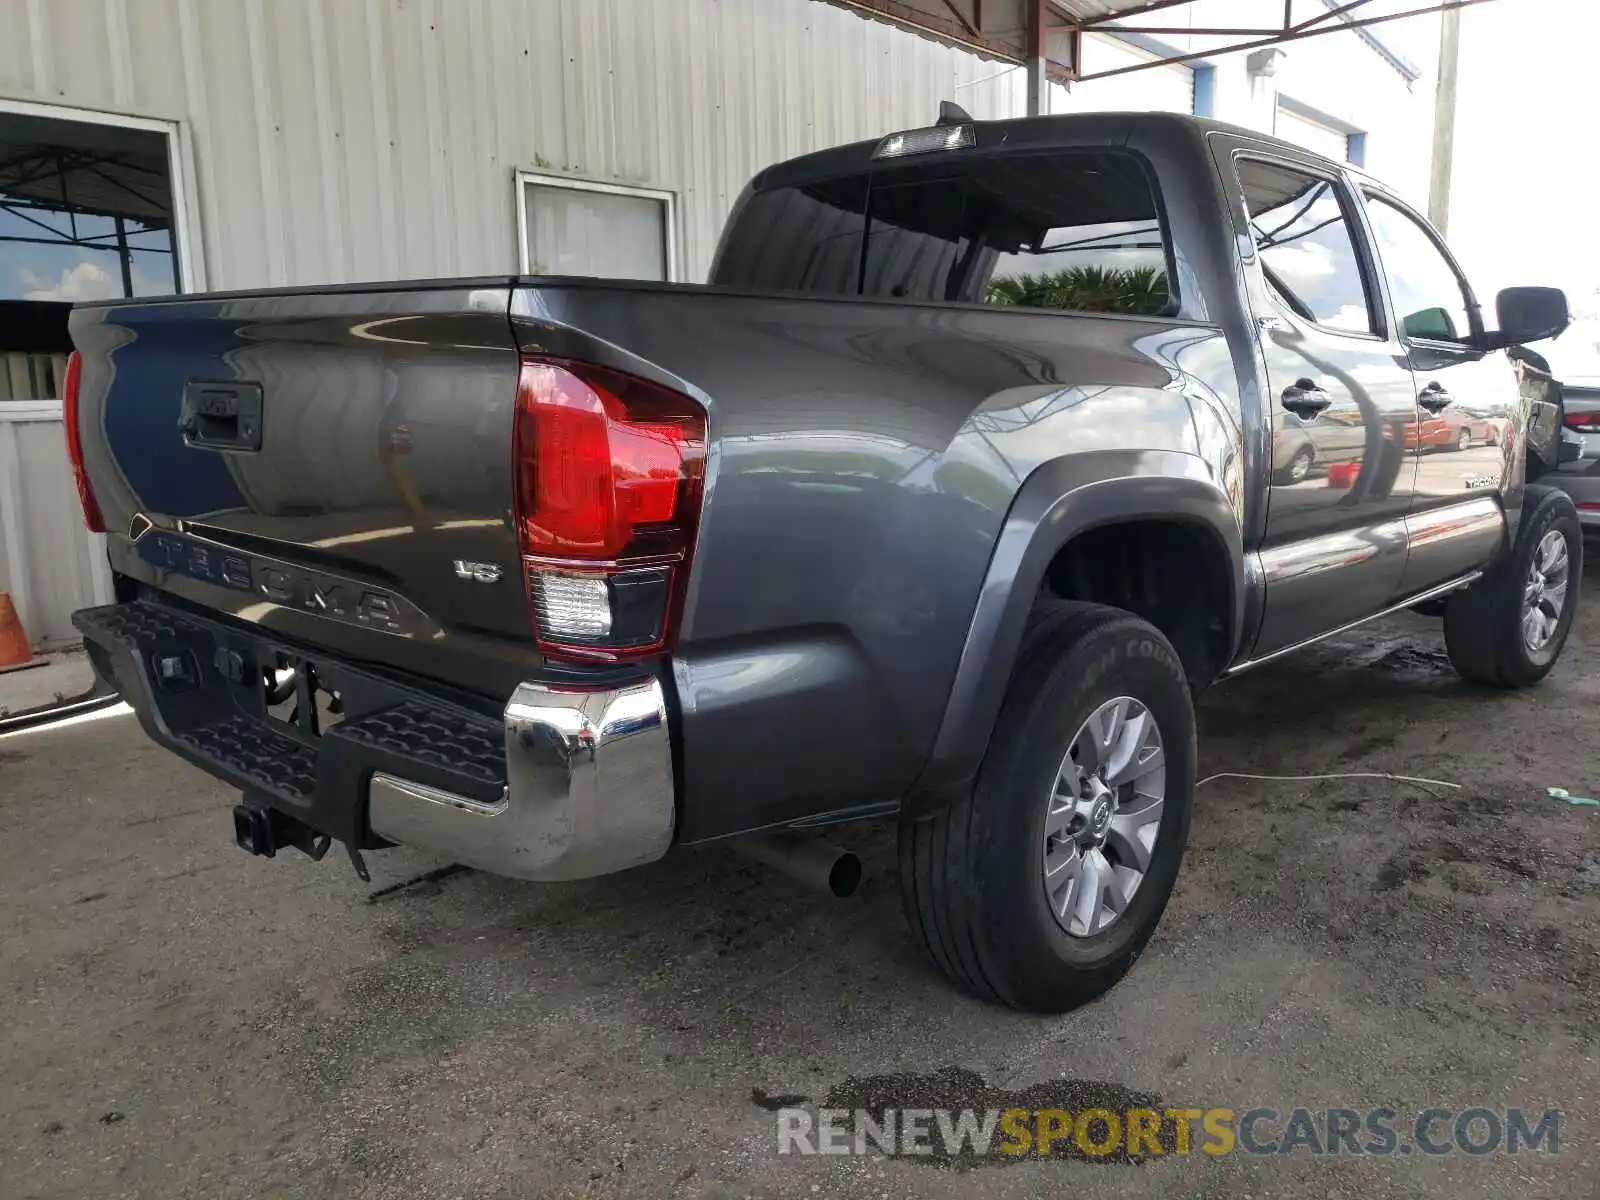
<point x="588" y="790"/>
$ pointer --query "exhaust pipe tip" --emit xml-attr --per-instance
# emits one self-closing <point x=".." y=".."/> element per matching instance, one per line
<point x="844" y="880"/>
<point x="819" y="865"/>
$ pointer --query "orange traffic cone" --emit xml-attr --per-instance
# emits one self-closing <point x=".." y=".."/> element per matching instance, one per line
<point x="14" y="651"/>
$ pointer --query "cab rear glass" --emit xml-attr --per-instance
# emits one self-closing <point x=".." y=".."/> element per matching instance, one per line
<point x="1068" y="230"/>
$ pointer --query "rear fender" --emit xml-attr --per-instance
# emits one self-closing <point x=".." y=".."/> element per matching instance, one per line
<point x="1060" y="500"/>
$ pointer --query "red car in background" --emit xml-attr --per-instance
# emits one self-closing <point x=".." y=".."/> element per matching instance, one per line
<point x="1453" y="431"/>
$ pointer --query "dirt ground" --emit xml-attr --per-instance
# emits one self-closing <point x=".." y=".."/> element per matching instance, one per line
<point x="179" y="1020"/>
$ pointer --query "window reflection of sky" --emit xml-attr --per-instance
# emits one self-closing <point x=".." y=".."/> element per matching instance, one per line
<point x="32" y="270"/>
<point x="1305" y="243"/>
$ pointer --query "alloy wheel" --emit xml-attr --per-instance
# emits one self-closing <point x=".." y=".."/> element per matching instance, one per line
<point x="1544" y="595"/>
<point x="1103" y="817"/>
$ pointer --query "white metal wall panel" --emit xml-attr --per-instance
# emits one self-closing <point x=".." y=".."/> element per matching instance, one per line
<point x="342" y="140"/>
<point x="1160" y="89"/>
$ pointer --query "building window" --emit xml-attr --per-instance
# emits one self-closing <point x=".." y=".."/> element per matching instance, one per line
<point x="579" y="227"/>
<point x="86" y="211"/>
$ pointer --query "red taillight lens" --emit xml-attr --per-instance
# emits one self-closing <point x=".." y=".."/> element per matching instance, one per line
<point x="69" y="419"/>
<point x="608" y="470"/>
<point x="1583" y="422"/>
<point x="608" y="457"/>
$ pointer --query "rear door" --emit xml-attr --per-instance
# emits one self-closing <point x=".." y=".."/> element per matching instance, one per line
<point x="1340" y="399"/>
<point x="1471" y="413"/>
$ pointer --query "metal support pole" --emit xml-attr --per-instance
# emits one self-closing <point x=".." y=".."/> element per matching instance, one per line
<point x="1444" y="120"/>
<point x="124" y="258"/>
<point x="1038" y="93"/>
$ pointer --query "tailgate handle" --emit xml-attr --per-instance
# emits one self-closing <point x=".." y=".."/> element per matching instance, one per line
<point x="221" y="416"/>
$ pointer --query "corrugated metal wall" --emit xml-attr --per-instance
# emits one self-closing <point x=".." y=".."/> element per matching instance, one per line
<point x="364" y="139"/>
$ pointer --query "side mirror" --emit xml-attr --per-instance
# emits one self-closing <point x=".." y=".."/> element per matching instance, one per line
<point x="1529" y="314"/>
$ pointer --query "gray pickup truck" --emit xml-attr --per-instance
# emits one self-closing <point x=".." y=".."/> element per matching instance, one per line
<point x="987" y="447"/>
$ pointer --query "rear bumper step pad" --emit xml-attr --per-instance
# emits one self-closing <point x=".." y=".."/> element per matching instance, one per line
<point x="196" y="685"/>
<point x="569" y="781"/>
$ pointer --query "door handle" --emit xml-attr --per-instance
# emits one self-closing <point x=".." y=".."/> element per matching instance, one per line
<point x="1305" y="398"/>
<point x="221" y="416"/>
<point x="1435" y="397"/>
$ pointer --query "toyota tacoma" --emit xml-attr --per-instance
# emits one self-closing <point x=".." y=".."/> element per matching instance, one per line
<point x="985" y="449"/>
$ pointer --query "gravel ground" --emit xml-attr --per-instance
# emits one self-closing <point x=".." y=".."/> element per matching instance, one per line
<point x="177" y="1019"/>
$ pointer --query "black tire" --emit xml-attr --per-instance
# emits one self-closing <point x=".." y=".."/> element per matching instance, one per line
<point x="971" y="874"/>
<point x="1464" y="438"/>
<point x="1483" y="624"/>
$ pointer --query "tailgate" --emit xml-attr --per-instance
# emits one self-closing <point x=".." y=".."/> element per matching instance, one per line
<point x="318" y="463"/>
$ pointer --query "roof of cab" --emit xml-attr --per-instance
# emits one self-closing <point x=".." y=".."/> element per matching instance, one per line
<point x="1068" y="129"/>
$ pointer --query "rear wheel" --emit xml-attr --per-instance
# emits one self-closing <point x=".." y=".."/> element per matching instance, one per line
<point x="1508" y="629"/>
<point x="1040" y="889"/>
<point x="1464" y="439"/>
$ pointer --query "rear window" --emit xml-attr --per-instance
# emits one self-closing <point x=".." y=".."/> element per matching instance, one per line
<point x="1076" y="230"/>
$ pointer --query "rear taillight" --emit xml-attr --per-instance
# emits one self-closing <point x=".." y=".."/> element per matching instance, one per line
<point x="608" y="472"/>
<point x="69" y="418"/>
<point x="1583" y="422"/>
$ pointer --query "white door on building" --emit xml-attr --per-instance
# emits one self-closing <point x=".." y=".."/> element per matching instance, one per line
<point x="1313" y="135"/>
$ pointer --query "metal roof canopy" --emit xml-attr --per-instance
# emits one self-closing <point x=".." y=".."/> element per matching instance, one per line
<point x="1051" y="31"/>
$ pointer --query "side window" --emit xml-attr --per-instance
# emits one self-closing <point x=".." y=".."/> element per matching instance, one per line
<point x="1427" y="292"/>
<point x="1303" y="237"/>
<point x="1077" y="231"/>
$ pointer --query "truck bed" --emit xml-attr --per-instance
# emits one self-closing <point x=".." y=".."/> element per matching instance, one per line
<point x="862" y="456"/>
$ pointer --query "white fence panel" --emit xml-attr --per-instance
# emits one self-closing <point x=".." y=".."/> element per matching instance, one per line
<point x="48" y="563"/>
